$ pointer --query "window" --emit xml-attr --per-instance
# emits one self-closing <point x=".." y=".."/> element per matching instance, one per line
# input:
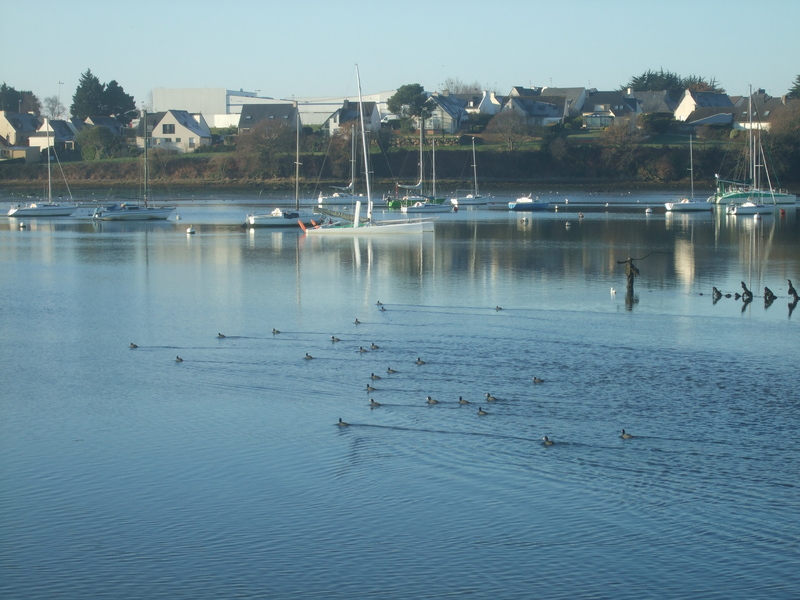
<point x="168" y="128"/>
<point x="177" y="140"/>
<point x="191" y="142"/>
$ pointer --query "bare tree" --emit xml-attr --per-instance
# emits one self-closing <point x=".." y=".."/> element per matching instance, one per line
<point x="510" y="127"/>
<point x="455" y="86"/>
<point x="53" y="108"/>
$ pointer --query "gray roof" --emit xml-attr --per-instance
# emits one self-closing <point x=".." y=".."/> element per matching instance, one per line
<point x="765" y="107"/>
<point x="450" y="104"/>
<point x="708" y="115"/>
<point x="22" y="122"/>
<point x="614" y="101"/>
<point x="255" y="113"/>
<point x="349" y="111"/>
<point x="710" y="99"/>
<point x="654" y="101"/>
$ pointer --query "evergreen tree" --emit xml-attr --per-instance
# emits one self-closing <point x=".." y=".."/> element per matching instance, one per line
<point x="794" y="91"/>
<point x="89" y="97"/>
<point x="14" y="101"/>
<point x="117" y="102"/>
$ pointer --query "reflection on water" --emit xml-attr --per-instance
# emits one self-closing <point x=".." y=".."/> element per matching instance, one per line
<point x="128" y="474"/>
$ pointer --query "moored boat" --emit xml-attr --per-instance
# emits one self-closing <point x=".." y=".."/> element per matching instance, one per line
<point x="527" y="204"/>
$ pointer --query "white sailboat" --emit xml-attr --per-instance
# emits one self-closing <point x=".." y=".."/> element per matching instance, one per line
<point x="49" y="208"/>
<point x="425" y="205"/>
<point x="280" y="217"/>
<point x="371" y="227"/>
<point x="688" y="204"/>
<point x="343" y="195"/>
<point x="474" y="198"/>
<point x="136" y="212"/>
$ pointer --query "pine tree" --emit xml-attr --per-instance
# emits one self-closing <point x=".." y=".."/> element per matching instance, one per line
<point x="89" y="97"/>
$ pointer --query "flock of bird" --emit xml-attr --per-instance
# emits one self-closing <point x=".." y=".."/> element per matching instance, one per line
<point x="747" y="295"/>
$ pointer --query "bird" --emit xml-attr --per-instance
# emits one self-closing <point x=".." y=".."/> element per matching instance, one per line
<point x="373" y="376"/>
<point x="390" y="370"/>
<point x="220" y="336"/>
<point x="490" y="398"/>
<point x="178" y="359"/>
<point x="498" y="308"/>
<point x="625" y="436"/>
<point x="792" y="291"/>
<point x="374" y="346"/>
<point x="133" y="345"/>
<point x="357" y="322"/>
<point x="537" y="380"/>
<point x="430" y="400"/>
<point x="308" y="356"/>
<point x="383" y="309"/>
<point x="373" y="404"/>
<point x="420" y="361"/>
<point x="274" y="331"/>
<point x="613" y="291"/>
<point x="370" y="388"/>
<point x="362" y="349"/>
<point x="379" y="303"/>
<point x="481" y="412"/>
<point x="335" y="339"/>
<point x="342" y="423"/>
<point x="546" y="441"/>
<point x="462" y="401"/>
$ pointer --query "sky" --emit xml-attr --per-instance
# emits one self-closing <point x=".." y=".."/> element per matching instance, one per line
<point x="309" y="48"/>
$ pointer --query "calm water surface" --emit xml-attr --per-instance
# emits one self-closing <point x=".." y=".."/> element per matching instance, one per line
<point x="126" y="474"/>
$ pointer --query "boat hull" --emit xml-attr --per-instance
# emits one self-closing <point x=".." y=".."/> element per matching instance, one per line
<point x="528" y="206"/>
<point x="133" y="213"/>
<point x="765" y="196"/>
<point x="43" y="210"/>
<point x="280" y="219"/>
<point x="415" y="227"/>
<point x="470" y="200"/>
<point x="424" y="208"/>
<point x="749" y="208"/>
<point x="688" y="206"/>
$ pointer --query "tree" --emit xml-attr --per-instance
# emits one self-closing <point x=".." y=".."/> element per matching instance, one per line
<point x="510" y="127"/>
<point x="88" y="98"/>
<point x="97" y="143"/>
<point x="14" y="101"/>
<point x="701" y="84"/>
<point x="53" y="108"/>
<point x="794" y="91"/>
<point x="409" y="100"/>
<point x="259" y="151"/>
<point x="117" y="103"/>
<point x="651" y="81"/>
<point x="455" y="86"/>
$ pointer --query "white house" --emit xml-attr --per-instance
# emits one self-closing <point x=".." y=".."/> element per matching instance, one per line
<point x="176" y="130"/>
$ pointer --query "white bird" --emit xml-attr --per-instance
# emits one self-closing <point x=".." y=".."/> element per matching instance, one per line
<point x="613" y="291"/>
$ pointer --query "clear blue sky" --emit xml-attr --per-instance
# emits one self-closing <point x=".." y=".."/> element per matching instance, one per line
<point x="309" y="47"/>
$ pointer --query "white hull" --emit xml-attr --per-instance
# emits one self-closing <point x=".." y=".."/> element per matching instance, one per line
<point x="426" y="207"/>
<point x="764" y="196"/>
<point x="44" y="209"/>
<point x="125" y="212"/>
<point x="470" y="200"/>
<point x="280" y="219"/>
<point x="749" y="208"/>
<point x="376" y="229"/>
<point x="688" y="206"/>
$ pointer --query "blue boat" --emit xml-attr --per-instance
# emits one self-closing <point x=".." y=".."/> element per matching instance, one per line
<point x="527" y="204"/>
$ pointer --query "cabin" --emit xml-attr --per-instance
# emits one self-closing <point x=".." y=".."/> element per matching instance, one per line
<point x="538" y="111"/>
<point x="764" y="109"/>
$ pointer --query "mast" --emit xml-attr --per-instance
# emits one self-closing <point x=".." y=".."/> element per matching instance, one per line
<point x="691" y="165"/>
<point x="297" y="165"/>
<point x="366" y="150"/>
<point x="49" y="178"/>
<point x="474" y="167"/>
<point x="144" y="195"/>
<point x="433" y="167"/>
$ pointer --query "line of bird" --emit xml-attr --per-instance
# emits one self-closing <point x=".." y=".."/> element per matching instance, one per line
<point x="747" y="295"/>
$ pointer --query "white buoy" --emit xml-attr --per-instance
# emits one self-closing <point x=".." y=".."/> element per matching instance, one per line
<point x="190" y="230"/>
<point x="648" y="210"/>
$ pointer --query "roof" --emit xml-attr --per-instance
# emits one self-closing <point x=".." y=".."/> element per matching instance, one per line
<point x="654" y="101"/>
<point x="108" y="122"/>
<point x="710" y="115"/>
<point x="255" y="113"/>
<point x="185" y="119"/>
<point x="765" y="107"/>
<point x="450" y="104"/>
<point x="349" y="111"/>
<point x="22" y="122"/>
<point x="709" y="99"/>
<point x="542" y="107"/>
<point x="614" y="102"/>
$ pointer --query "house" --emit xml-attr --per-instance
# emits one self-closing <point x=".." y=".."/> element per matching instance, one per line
<point x="539" y="111"/>
<point x="253" y="114"/>
<point x="448" y="115"/>
<point x="691" y="101"/>
<point x="16" y="128"/>
<point x="485" y="103"/>
<point x="348" y="114"/>
<point x="57" y="132"/>
<point x="604" y="109"/>
<point x="653" y="101"/>
<point x="764" y="109"/>
<point x="109" y="123"/>
<point x="572" y="99"/>
<point x="176" y="130"/>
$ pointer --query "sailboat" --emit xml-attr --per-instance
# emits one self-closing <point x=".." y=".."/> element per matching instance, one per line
<point x="49" y="208"/>
<point x="474" y="198"/>
<point x="688" y="204"/>
<point x="427" y="205"/>
<point x="371" y="227"/>
<point x="280" y="217"/>
<point x="751" y="190"/>
<point x="136" y="212"/>
<point x="343" y="194"/>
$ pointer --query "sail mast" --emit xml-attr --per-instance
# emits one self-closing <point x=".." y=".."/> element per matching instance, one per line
<point x="144" y="194"/>
<point x="49" y="178"/>
<point x="297" y="165"/>
<point x="366" y="150"/>
<point x="474" y="167"/>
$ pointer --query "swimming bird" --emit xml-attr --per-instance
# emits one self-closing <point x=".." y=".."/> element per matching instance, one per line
<point x="420" y="361"/>
<point x="373" y="376"/>
<point x="462" y="401"/>
<point x="220" y="336"/>
<point x="498" y="308"/>
<point x="308" y="356"/>
<point x="546" y="441"/>
<point x="373" y="404"/>
<point x="537" y="380"/>
<point x="335" y="339"/>
<point x="383" y="309"/>
<point x="430" y="400"/>
<point x="178" y="359"/>
<point x="792" y="291"/>
<point x="370" y="388"/>
<point x="625" y="436"/>
<point x="362" y="349"/>
<point x="133" y="345"/>
<point x="274" y="331"/>
<point x="374" y="346"/>
<point x="379" y="303"/>
<point x="613" y="291"/>
<point x="342" y="423"/>
<point x="357" y="322"/>
<point x="481" y="412"/>
<point x="390" y="370"/>
<point x="490" y="398"/>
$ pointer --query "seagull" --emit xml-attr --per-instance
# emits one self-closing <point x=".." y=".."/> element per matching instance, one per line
<point x="420" y="361"/>
<point x="342" y="423"/>
<point x="537" y="380"/>
<point x="390" y="370"/>
<point x="490" y="398"/>
<point x="274" y="331"/>
<point x="178" y="359"/>
<point x="792" y="291"/>
<point x="481" y="412"/>
<point x="373" y="376"/>
<point x="430" y="400"/>
<point x="374" y="346"/>
<point x="373" y="404"/>
<point x="220" y="336"/>
<point x="308" y="356"/>
<point x="546" y="441"/>
<point x="462" y="401"/>
<point x="625" y="436"/>
<point x="133" y="345"/>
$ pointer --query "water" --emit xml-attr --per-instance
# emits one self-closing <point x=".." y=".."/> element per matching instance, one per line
<point x="127" y="474"/>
